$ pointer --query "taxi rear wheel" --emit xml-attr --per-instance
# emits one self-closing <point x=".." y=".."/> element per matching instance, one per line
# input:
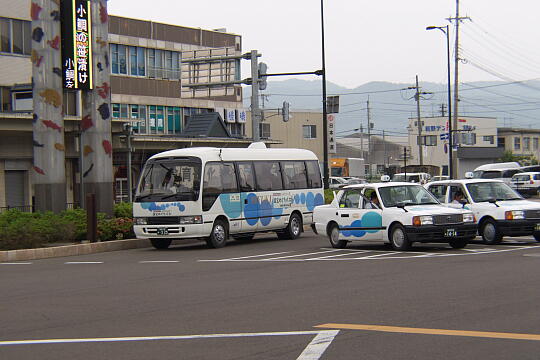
<point x="333" y="235"/>
<point x="490" y="234"/>
<point x="398" y="238"/>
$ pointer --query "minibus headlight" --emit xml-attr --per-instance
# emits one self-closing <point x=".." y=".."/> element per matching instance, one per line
<point x="469" y="217"/>
<point x="514" y="215"/>
<point x="141" y="221"/>
<point x="197" y="219"/>
<point x="422" y="220"/>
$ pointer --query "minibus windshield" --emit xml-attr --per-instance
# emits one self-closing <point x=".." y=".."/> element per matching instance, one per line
<point x="170" y="180"/>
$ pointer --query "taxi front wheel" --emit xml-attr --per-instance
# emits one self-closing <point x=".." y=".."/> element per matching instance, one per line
<point x="490" y="234"/>
<point x="398" y="238"/>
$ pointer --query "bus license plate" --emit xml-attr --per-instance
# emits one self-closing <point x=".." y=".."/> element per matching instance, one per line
<point x="537" y="227"/>
<point x="450" y="233"/>
<point x="163" y="231"/>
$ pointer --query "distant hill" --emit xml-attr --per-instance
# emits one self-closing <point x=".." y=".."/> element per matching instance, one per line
<point x="514" y="104"/>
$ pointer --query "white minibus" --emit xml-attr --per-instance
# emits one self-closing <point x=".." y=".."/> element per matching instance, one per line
<point x="211" y="193"/>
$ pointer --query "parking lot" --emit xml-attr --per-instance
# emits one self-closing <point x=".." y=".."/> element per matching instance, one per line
<point x="272" y="299"/>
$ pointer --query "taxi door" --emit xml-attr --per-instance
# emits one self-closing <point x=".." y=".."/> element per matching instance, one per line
<point x="356" y="222"/>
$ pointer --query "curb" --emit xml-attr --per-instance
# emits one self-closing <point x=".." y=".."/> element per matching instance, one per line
<point x="72" y="250"/>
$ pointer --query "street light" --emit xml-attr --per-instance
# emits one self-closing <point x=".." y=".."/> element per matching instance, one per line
<point x="446" y="31"/>
<point x="325" y="120"/>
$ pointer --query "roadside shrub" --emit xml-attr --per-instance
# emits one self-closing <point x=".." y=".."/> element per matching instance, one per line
<point x="115" y="229"/>
<point x="123" y="210"/>
<point x="20" y="230"/>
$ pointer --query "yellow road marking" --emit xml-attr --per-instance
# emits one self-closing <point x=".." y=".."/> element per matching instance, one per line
<point x="410" y="330"/>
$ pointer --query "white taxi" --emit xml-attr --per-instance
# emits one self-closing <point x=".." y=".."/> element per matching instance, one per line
<point x="500" y="211"/>
<point x="396" y="212"/>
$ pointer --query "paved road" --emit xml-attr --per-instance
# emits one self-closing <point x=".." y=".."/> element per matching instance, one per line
<point x="272" y="299"/>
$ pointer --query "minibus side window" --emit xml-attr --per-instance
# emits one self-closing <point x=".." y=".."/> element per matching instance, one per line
<point x="218" y="178"/>
<point x="268" y="174"/>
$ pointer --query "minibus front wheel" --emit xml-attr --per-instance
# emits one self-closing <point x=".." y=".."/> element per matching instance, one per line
<point x="219" y="235"/>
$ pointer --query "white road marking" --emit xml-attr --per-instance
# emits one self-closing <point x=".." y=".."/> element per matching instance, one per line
<point x="330" y="257"/>
<point x="291" y="256"/>
<point x="313" y="351"/>
<point x="378" y="255"/>
<point x="248" y="257"/>
<point x="532" y="255"/>
<point x="158" y="261"/>
<point x="17" y="263"/>
<point x="318" y="345"/>
<point x="82" y="262"/>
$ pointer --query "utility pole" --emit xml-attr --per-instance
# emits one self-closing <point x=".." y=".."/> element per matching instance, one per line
<point x="443" y="109"/>
<point x="417" y="96"/>
<point x="255" y="111"/>
<point x="384" y="144"/>
<point x="362" y="153"/>
<point x="458" y="19"/>
<point x="369" y="137"/>
<point x="420" y="142"/>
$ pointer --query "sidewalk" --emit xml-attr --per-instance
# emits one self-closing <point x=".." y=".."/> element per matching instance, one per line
<point x="72" y="250"/>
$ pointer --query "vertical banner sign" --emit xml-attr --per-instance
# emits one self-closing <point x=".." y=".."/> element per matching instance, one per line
<point x="331" y="121"/>
<point x="76" y="44"/>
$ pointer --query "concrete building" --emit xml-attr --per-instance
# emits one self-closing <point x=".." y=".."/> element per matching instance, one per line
<point x="382" y="155"/>
<point x="303" y="130"/>
<point x="475" y="137"/>
<point x="521" y="142"/>
<point x="151" y="65"/>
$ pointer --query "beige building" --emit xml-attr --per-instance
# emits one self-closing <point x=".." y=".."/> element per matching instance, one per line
<point x="521" y="142"/>
<point x="475" y="143"/>
<point x="303" y="130"/>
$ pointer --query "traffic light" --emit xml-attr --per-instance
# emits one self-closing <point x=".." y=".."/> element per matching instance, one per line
<point x="285" y="111"/>
<point x="262" y="75"/>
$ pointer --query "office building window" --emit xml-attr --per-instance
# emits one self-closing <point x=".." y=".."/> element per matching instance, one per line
<point x="163" y="64"/>
<point x="69" y="105"/>
<point x="535" y="143"/>
<point x="526" y="143"/>
<point x="264" y="130"/>
<point x="236" y="129"/>
<point x="490" y="139"/>
<point x="309" y="131"/>
<point x="517" y="143"/>
<point x="15" y="36"/>
<point x="119" y="111"/>
<point x="138" y="112"/>
<point x="137" y="66"/>
<point x="118" y="59"/>
<point x="5" y="99"/>
<point x="173" y="120"/>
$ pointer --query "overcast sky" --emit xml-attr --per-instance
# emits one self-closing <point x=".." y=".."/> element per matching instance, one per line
<point x="367" y="40"/>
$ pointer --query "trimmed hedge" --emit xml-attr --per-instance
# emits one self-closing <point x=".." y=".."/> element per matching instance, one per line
<point x="20" y="230"/>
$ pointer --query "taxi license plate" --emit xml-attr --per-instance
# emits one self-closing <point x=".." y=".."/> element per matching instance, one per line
<point x="163" y="231"/>
<point x="450" y="232"/>
<point x="537" y="227"/>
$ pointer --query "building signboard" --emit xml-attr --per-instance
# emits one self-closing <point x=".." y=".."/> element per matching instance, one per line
<point x="230" y="116"/>
<point x="242" y="116"/>
<point x="76" y="44"/>
<point x="331" y="121"/>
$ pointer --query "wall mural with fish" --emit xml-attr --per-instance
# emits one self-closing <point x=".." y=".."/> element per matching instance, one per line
<point x="48" y="123"/>
<point x="96" y="114"/>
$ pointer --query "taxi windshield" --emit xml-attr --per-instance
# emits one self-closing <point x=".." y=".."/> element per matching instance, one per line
<point x="406" y="194"/>
<point x="486" y="191"/>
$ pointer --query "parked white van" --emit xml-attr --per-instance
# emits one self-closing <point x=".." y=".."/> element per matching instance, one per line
<point x="499" y="210"/>
<point x="501" y="171"/>
<point x="419" y="178"/>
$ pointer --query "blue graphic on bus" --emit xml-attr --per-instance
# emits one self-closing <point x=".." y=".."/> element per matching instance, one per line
<point x="369" y="220"/>
<point x="254" y="210"/>
<point x="152" y="206"/>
